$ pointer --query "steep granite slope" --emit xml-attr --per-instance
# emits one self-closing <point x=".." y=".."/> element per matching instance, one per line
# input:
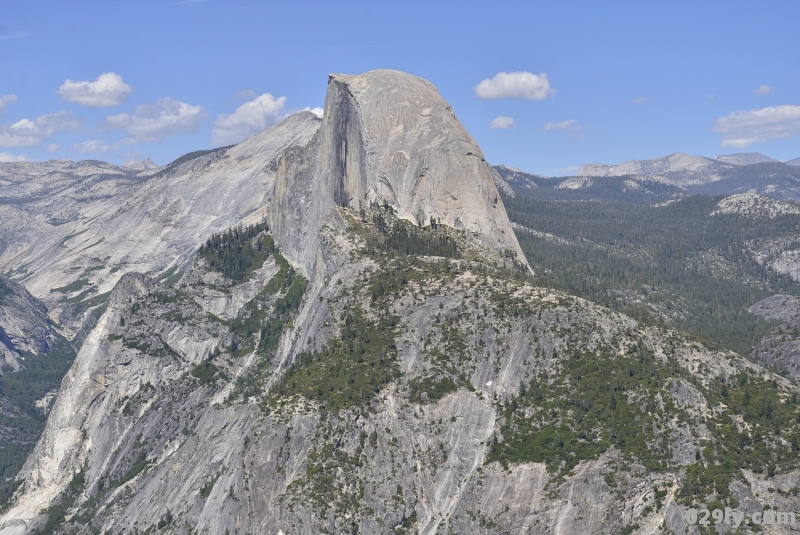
<point x="411" y="393"/>
<point x="33" y="359"/>
<point x="65" y="246"/>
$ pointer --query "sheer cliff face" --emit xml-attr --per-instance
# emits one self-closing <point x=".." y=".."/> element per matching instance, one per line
<point x="389" y="137"/>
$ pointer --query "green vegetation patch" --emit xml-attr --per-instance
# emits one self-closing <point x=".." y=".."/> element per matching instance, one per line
<point x="41" y="374"/>
<point x="598" y="400"/>
<point x="268" y="321"/>
<point x="5" y="289"/>
<point x="56" y="514"/>
<point x="71" y="287"/>
<point x="258" y="316"/>
<point x="431" y="388"/>
<point x="351" y="369"/>
<point x="205" y="372"/>
<point x="24" y="422"/>
<point x="238" y="252"/>
<point x="769" y="446"/>
<point x="331" y="481"/>
<point x="396" y="237"/>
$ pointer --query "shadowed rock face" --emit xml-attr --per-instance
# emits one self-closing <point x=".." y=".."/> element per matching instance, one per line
<point x="389" y="137"/>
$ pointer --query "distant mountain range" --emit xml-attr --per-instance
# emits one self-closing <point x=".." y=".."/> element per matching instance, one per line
<point x="678" y="169"/>
<point x="682" y="169"/>
<point x="669" y="177"/>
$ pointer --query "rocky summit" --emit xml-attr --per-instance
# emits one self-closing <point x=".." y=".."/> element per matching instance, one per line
<point x="387" y="138"/>
<point x="350" y="340"/>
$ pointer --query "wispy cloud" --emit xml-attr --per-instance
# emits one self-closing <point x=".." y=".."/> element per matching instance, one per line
<point x="570" y="124"/>
<point x="501" y="122"/>
<point x="570" y="170"/>
<point x="762" y="90"/>
<point x="97" y="146"/>
<point x="741" y="129"/>
<point x="247" y="94"/>
<point x="6" y="157"/>
<point x="521" y="84"/>
<point x="15" y="35"/>
<point x="28" y="133"/>
<point x="641" y="100"/>
<point x="5" y="100"/>
<point x="154" y="122"/>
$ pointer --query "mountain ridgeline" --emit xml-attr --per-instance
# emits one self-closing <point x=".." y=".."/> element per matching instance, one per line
<point x="372" y="348"/>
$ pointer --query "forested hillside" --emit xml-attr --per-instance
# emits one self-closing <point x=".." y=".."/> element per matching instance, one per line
<point x="673" y="264"/>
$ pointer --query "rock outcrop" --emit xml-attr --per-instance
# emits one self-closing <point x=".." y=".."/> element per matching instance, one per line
<point x="387" y="137"/>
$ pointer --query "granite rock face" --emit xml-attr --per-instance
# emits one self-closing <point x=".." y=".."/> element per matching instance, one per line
<point x="80" y="226"/>
<point x="388" y="137"/>
<point x="24" y="326"/>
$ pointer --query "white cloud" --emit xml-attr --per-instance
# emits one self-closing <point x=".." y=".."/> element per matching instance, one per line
<point x="92" y="146"/>
<point x="762" y="90"/>
<point x="52" y="147"/>
<point x="247" y="94"/>
<point x="107" y="90"/>
<point x="5" y="100"/>
<point x="154" y="122"/>
<point x="6" y="157"/>
<point x="501" y="122"/>
<point x="316" y="111"/>
<point x="515" y="85"/>
<point x="248" y="119"/>
<point x="712" y="96"/>
<point x="27" y="133"/>
<point x="97" y="146"/>
<point x="641" y="100"/>
<point x="741" y="129"/>
<point x="570" y="124"/>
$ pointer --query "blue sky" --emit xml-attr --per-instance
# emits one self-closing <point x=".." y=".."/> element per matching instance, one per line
<point x="585" y="81"/>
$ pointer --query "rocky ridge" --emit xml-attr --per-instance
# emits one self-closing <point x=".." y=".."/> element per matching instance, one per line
<point x="755" y="205"/>
<point x="73" y="229"/>
<point x="744" y="158"/>
<point x="678" y="169"/>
